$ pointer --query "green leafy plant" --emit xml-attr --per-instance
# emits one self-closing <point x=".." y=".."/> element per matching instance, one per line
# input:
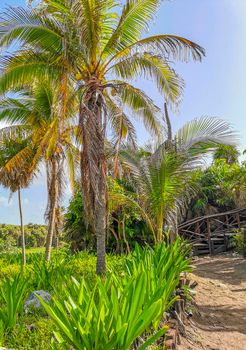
<point x="110" y="316"/>
<point x="12" y="296"/>
<point x="47" y="273"/>
<point x="114" y="312"/>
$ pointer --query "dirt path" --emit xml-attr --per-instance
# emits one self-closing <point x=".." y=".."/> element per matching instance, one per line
<point x="219" y="320"/>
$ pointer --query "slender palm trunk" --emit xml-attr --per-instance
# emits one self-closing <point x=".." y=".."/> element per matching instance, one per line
<point x="93" y="172"/>
<point x="52" y="204"/>
<point x="100" y="230"/>
<point x="23" y="245"/>
<point x="57" y="243"/>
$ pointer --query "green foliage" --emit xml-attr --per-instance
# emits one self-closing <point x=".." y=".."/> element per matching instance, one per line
<point x="118" y="300"/>
<point x="115" y="311"/>
<point x="32" y="333"/>
<point x="34" y="234"/>
<point x="46" y="273"/>
<point x="11" y="298"/>
<point x="76" y="233"/>
<point x="227" y="152"/>
<point x="222" y="185"/>
<point x="8" y="245"/>
<point x="123" y="207"/>
<point x="239" y="242"/>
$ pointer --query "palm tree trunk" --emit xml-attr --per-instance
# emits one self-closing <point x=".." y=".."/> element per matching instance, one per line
<point x="93" y="171"/>
<point x="23" y="245"/>
<point x="52" y="203"/>
<point x="101" y="199"/>
<point x="57" y="243"/>
<point x="100" y="230"/>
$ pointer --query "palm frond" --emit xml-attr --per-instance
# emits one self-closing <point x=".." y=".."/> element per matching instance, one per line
<point x="26" y="26"/>
<point x="166" y="45"/>
<point x="24" y="67"/>
<point x="202" y="134"/>
<point x="151" y="67"/>
<point x="16" y="166"/>
<point x="120" y="122"/>
<point x="135" y="18"/>
<point x="94" y="20"/>
<point x="15" y="110"/>
<point x="140" y="104"/>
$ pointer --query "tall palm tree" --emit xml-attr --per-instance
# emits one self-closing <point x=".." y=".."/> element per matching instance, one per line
<point x="102" y="48"/>
<point x="35" y="111"/>
<point x="16" y="174"/>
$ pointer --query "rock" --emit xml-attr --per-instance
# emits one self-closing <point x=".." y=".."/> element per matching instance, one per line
<point x="33" y="303"/>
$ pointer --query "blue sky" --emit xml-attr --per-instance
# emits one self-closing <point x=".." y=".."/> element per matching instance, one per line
<point x="215" y="87"/>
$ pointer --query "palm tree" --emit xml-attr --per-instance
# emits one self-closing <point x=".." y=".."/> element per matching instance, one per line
<point x="34" y="110"/>
<point x="164" y="180"/>
<point x="17" y="174"/>
<point x="101" y="49"/>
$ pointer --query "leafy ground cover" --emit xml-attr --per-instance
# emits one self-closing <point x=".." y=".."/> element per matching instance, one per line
<point x="123" y="310"/>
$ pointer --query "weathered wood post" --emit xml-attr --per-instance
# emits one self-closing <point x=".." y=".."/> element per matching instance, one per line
<point x="209" y="237"/>
<point x="244" y="241"/>
<point x="225" y="237"/>
<point x="238" y="220"/>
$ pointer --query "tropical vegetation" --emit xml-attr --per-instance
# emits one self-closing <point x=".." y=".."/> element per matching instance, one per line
<point x="69" y="100"/>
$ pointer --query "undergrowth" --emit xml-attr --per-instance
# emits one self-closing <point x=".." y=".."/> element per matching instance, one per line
<point x="143" y="281"/>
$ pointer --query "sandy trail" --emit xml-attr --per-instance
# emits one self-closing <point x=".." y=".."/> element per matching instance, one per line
<point x="219" y="320"/>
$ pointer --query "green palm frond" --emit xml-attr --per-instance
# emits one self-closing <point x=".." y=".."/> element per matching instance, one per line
<point x="140" y="104"/>
<point x="135" y="18"/>
<point x="118" y="199"/>
<point x="169" y="46"/>
<point x="168" y="179"/>
<point x="95" y="20"/>
<point x="202" y="134"/>
<point x="15" y="110"/>
<point x="26" y="66"/>
<point x="26" y="26"/>
<point x="151" y="67"/>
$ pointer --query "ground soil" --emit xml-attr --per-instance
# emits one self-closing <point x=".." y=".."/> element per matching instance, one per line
<point x="219" y="312"/>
